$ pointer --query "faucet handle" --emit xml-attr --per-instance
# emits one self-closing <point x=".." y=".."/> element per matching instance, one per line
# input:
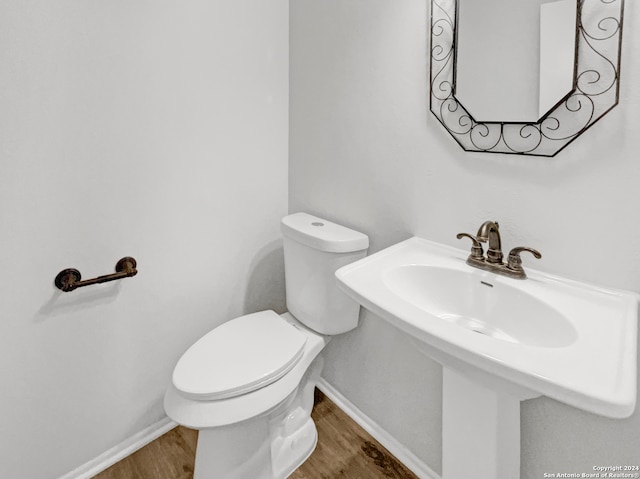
<point x="476" y="248"/>
<point x="514" y="263"/>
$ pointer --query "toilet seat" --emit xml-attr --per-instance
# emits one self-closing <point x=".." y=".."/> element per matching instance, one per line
<point x="239" y="356"/>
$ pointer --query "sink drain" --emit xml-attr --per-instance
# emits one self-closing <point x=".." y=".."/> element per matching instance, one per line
<point x="478" y="326"/>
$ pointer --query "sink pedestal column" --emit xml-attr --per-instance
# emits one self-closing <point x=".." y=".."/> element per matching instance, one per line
<point x="480" y="429"/>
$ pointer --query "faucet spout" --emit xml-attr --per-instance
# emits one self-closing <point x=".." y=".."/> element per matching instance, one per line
<point x="490" y="231"/>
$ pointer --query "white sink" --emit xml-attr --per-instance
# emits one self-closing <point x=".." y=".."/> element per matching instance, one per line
<point x="568" y="340"/>
<point x="488" y="307"/>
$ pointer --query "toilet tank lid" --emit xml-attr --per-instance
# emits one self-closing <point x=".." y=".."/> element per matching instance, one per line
<point x="322" y="234"/>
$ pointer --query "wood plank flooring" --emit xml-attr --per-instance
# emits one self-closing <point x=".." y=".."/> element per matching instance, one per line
<point x="344" y="451"/>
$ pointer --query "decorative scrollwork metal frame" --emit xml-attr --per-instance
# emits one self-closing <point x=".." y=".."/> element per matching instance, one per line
<point x="596" y="91"/>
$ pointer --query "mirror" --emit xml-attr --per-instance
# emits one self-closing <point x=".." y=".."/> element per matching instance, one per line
<point x="524" y="77"/>
<point x="534" y="52"/>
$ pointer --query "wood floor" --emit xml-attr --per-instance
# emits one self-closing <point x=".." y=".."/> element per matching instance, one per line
<point x="344" y="451"/>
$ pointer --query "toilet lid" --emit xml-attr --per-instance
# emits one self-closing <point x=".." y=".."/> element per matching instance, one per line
<point x="239" y="356"/>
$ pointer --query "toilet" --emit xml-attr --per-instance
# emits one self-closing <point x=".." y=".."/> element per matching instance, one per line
<point x="247" y="386"/>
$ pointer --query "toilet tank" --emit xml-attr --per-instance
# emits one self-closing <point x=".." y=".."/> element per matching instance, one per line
<point x="314" y="249"/>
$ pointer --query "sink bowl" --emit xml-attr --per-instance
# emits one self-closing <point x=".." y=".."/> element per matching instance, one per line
<point x="487" y="307"/>
<point x="568" y="340"/>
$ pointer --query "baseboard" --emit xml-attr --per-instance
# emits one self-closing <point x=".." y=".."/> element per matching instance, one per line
<point x="405" y="456"/>
<point x="122" y="450"/>
<point x="144" y="437"/>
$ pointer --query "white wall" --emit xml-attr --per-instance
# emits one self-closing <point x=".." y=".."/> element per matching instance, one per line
<point x="156" y="129"/>
<point x="366" y="152"/>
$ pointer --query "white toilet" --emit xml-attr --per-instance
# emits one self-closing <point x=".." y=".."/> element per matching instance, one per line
<point x="247" y="385"/>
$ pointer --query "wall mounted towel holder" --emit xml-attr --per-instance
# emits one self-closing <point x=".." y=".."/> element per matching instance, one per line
<point x="69" y="279"/>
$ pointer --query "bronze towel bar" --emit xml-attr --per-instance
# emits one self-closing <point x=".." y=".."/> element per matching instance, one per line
<point x="69" y="279"/>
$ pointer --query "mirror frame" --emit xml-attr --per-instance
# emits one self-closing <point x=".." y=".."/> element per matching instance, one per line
<point x="596" y="91"/>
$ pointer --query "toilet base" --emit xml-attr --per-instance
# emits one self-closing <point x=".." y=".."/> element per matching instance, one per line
<point x="269" y="446"/>
<point x="253" y="456"/>
<point x="294" y="450"/>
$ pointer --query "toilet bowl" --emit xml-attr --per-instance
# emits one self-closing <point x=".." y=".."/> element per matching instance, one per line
<point x="247" y="385"/>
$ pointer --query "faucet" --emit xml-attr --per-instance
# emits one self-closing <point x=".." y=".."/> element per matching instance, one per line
<point x="489" y="232"/>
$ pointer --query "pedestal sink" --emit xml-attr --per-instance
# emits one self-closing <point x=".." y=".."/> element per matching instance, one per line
<point x="501" y="341"/>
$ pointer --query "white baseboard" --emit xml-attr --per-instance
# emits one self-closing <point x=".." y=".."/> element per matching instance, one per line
<point x="122" y="450"/>
<point x="144" y="437"/>
<point x="404" y="455"/>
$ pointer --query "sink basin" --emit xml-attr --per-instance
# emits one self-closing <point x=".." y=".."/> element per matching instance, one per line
<point x="487" y="307"/>
<point x="571" y="341"/>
